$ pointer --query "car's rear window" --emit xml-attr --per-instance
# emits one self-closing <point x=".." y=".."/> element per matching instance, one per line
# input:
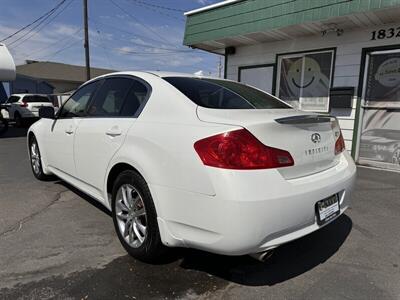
<point x="223" y="94"/>
<point x="13" y="99"/>
<point x="36" y="98"/>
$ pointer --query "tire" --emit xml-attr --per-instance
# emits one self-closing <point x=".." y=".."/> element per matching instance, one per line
<point x="396" y="156"/>
<point x="18" y="120"/>
<point x="135" y="217"/>
<point x="36" y="160"/>
<point x="3" y="126"/>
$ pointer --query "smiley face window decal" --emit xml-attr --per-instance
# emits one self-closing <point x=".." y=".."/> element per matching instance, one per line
<point x="305" y="79"/>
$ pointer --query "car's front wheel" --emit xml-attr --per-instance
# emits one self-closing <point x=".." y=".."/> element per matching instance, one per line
<point x="396" y="156"/>
<point x="135" y="217"/>
<point x="36" y="160"/>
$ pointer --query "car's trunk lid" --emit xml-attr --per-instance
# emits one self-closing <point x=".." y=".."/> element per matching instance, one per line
<point x="34" y="106"/>
<point x="309" y="138"/>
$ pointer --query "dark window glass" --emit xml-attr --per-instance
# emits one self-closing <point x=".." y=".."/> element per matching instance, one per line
<point x="110" y="97"/>
<point x="36" y="98"/>
<point x="135" y="98"/>
<point x="76" y="105"/>
<point x="222" y="94"/>
<point x="13" y="99"/>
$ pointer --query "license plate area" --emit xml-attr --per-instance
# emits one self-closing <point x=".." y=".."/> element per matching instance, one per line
<point x="327" y="209"/>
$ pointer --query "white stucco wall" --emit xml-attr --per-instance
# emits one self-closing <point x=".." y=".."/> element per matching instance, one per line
<point x="347" y="63"/>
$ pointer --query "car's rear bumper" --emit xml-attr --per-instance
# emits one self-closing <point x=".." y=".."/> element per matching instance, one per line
<point x="30" y="114"/>
<point x="251" y="211"/>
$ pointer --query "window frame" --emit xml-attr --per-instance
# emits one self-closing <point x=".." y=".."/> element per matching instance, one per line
<point x="303" y="53"/>
<point x="76" y="91"/>
<point x="19" y="99"/>
<point x="214" y="81"/>
<point x="102" y="80"/>
<point x="35" y="97"/>
<point x="260" y="66"/>
<point x="138" y="111"/>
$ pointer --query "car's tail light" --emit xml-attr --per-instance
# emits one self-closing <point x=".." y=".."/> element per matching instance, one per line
<point x="339" y="145"/>
<point x="23" y="104"/>
<point x="239" y="149"/>
<point x="339" y="140"/>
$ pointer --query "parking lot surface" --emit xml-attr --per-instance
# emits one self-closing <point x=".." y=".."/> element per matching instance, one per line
<point x="57" y="243"/>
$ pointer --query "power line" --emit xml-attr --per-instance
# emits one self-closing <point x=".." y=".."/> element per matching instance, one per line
<point x="44" y="25"/>
<point x="129" y="32"/>
<point x="50" y="12"/>
<point x="62" y="40"/>
<point x="102" y="46"/>
<point x="159" y="6"/>
<point x="60" y="50"/>
<point x="138" y="21"/>
<point x="147" y="45"/>
<point x="151" y="7"/>
<point x="151" y="53"/>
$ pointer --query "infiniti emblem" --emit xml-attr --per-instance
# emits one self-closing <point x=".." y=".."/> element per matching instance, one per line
<point x="316" y="138"/>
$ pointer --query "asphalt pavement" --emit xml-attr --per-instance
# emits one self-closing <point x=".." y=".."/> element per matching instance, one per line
<point x="57" y="243"/>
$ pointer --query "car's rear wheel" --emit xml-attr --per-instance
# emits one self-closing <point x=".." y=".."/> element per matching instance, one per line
<point x="18" y="120"/>
<point x="3" y="125"/>
<point x="36" y="160"/>
<point x="135" y="217"/>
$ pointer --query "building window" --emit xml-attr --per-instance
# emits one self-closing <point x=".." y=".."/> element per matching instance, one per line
<point x="304" y="79"/>
<point x="260" y="76"/>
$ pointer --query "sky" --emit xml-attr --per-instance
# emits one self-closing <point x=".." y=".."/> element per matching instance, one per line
<point x="123" y="34"/>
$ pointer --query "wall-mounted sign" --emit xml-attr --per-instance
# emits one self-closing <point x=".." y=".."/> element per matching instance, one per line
<point x="383" y="81"/>
<point x="385" y="33"/>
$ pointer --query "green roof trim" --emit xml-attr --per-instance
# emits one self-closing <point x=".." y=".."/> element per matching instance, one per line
<point x="249" y="16"/>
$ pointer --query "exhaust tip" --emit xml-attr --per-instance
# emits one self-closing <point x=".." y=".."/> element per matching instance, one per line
<point x="262" y="256"/>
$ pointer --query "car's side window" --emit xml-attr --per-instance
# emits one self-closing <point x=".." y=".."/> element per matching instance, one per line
<point x="13" y="99"/>
<point x="137" y="95"/>
<point x="76" y="105"/>
<point x="110" y="98"/>
<point x="27" y="98"/>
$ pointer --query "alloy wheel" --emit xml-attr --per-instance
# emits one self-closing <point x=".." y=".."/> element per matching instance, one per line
<point x="396" y="156"/>
<point x="131" y="215"/>
<point x="35" y="157"/>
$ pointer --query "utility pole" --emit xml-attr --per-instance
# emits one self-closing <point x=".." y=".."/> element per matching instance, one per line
<point x="220" y="67"/>
<point x="86" y="43"/>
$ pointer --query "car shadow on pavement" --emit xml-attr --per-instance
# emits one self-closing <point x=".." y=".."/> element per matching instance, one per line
<point x="84" y="196"/>
<point x="14" y="132"/>
<point x="288" y="261"/>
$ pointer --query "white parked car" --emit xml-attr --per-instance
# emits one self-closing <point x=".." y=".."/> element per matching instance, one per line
<point x="25" y="107"/>
<point x="185" y="161"/>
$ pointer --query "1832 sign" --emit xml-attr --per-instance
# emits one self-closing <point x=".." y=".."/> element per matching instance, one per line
<point x="385" y="33"/>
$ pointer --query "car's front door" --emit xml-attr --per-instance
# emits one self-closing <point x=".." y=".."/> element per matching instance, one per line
<point x="60" y="138"/>
<point x="99" y="136"/>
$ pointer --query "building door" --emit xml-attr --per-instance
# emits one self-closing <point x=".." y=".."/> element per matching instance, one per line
<point x="379" y="143"/>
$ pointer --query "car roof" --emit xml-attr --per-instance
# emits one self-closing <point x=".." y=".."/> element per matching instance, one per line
<point x="23" y="95"/>
<point x="160" y="74"/>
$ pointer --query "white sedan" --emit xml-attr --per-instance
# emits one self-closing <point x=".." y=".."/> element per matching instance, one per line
<point x="186" y="161"/>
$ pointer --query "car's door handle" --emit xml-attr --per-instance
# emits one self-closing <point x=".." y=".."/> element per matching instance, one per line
<point x="69" y="130"/>
<point x="114" y="131"/>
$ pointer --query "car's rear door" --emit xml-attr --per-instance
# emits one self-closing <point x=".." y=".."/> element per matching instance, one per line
<point x="111" y="113"/>
<point x="60" y="138"/>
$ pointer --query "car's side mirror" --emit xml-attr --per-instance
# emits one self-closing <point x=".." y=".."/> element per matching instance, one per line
<point x="47" y="112"/>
